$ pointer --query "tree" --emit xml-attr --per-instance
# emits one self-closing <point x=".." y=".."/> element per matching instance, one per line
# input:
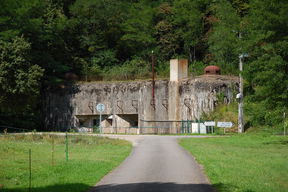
<point x="224" y="42"/>
<point x="165" y="31"/>
<point x="189" y="28"/>
<point x="137" y="38"/>
<point x="19" y="78"/>
<point x="267" y="68"/>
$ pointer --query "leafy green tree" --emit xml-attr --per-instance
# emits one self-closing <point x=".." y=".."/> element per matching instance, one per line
<point x="97" y="23"/>
<point x="18" y="76"/>
<point x="189" y="28"/>
<point x="19" y="79"/>
<point x="96" y="32"/>
<point x="43" y="24"/>
<point x="165" y="31"/>
<point x="267" y="68"/>
<point x="224" y="41"/>
<point x="137" y="38"/>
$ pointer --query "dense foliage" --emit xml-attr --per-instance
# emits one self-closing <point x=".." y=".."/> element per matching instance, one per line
<point x="45" y="43"/>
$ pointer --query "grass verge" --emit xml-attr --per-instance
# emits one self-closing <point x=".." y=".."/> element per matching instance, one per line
<point x="89" y="159"/>
<point x="246" y="163"/>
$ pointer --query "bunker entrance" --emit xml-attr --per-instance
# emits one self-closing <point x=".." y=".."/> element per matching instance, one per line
<point x="122" y="123"/>
<point x="127" y="120"/>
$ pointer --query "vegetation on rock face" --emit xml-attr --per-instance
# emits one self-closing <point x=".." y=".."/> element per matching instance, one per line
<point x="113" y="39"/>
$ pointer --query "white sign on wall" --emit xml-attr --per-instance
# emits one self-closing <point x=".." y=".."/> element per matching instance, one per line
<point x="209" y="123"/>
<point x="225" y="124"/>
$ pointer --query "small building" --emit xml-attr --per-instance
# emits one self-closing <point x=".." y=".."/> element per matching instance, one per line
<point x="212" y="70"/>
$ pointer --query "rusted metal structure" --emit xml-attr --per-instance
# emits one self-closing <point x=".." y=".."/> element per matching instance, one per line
<point x="212" y="70"/>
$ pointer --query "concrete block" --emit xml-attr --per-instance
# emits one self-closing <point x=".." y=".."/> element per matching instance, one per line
<point x="178" y="69"/>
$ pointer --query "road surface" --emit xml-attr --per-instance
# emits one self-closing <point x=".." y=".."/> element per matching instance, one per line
<point x="156" y="164"/>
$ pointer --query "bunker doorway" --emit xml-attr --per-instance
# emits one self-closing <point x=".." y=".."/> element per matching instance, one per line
<point x="128" y="120"/>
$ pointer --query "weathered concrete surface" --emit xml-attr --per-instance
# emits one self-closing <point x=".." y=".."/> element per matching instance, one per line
<point x="178" y="69"/>
<point x="128" y="104"/>
<point x="158" y="164"/>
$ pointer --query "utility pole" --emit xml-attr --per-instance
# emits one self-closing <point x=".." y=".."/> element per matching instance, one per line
<point x="241" y="97"/>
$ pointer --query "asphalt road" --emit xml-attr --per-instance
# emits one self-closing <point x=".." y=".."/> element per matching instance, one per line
<point x="156" y="164"/>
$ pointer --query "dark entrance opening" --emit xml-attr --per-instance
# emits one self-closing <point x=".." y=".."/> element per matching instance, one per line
<point x="131" y="118"/>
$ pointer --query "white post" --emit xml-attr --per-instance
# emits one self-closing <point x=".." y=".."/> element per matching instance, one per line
<point x="100" y="108"/>
<point x="100" y="127"/>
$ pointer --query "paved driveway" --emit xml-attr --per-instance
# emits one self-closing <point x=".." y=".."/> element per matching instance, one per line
<point x="156" y="164"/>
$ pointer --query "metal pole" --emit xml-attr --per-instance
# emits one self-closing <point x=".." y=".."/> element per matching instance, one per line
<point x="100" y="127"/>
<point x="153" y="88"/>
<point x="113" y="112"/>
<point x="153" y="77"/>
<point x="284" y="116"/>
<point x="30" y="170"/>
<point x="153" y="81"/>
<point x="66" y="147"/>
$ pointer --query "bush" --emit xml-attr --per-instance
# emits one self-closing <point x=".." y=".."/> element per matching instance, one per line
<point x="130" y="70"/>
<point x="196" y="68"/>
<point x="163" y="69"/>
<point x="270" y="119"/>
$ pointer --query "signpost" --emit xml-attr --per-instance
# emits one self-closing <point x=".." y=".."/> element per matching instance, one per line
<point x="100" y="108"/>
<point x="225" y="125"/>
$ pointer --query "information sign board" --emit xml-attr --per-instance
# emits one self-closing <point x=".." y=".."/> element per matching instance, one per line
<point x="225" y="124"/>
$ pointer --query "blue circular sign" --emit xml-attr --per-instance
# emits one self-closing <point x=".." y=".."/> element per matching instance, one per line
<point x="100" y="107"/>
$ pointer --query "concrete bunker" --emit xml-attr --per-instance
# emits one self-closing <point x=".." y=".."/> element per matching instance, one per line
<point x="128" y="107"/>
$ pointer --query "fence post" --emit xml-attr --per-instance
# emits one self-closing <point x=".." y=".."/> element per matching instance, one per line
<point x="182" y="126"/>
<point x="188" y="126"/>
<point x="66" y="146"/>
<point x="52" y="152"/>
<point x="284" y="116"/>
<point x="30" y="170"/>
<point x="198" y="121"/>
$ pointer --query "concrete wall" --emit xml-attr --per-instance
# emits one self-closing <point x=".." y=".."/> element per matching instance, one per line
<point x="174" y="101"/>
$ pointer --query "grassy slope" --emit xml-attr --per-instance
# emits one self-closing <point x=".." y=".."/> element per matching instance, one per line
<point x="243" y="163"/>
<point x="90" y="158"/>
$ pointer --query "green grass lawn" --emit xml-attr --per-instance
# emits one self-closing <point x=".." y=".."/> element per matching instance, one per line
<point x="246" y="163"/>
<point x="90" y="158"/>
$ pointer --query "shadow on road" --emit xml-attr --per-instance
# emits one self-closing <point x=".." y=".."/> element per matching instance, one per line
<point x="133" y="187"/>
<point x="73" y="187"/>
<point x="153" y="187"/>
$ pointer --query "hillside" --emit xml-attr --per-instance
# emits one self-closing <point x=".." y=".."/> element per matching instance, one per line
<point x="44" y="44"/>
